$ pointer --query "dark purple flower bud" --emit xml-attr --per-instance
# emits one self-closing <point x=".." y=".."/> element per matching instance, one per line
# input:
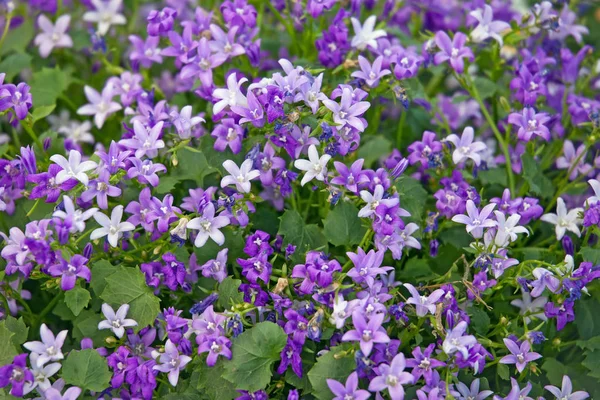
<point x="567" y="244"/>
<point x="253" y="153"/>
<point x="28" y="160"/>
<point x="399" y="168"/>
<point x="47" y="143"/>
<point x="98" y="41"/>
<point x="88" y="250"/>
<point x="235" y="324"/>
<point x="254" y="54"/>
<point x="199" y="307"/>
<point x="293" y="395"/>
<point x="433" y="247"/>
<point x="327" y="132"/>
<point x="536" y="337"/>
<point x="332" y="149"/>
<point x="524" y="283"/>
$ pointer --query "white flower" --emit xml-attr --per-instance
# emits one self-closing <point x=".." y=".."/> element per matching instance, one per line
<point x="232" y="96"/>
<point x="73" y="168"/>
<point x="314" y="167"/>
<point x="567" y="267"/>
<point x="531" y="309"/>
<point x="487" y="26"/>
<point x="564" y="221"/>
<point x="49" y="349"/>
<point x="105" y="15"/>
<point x="117" y="322"/>
<point x="596" y="197"/>
<point x="342" y="309"/>
<point x="40" y="374"/>
<point x="507" y="229"/>
<point x="365" y="35"/>
<point x="113" y="227"/>
<point x="77" y="217"/>
<point x="184" y="122"/>
<point x="465" y="147"/>
<point x="208" y="226"/>
<point x="239" y="176"/>
<point x="374" y="200"/>
<point x="53" y="35"/>
<point x="78" y="132"/>
<point x="101" y="105"/>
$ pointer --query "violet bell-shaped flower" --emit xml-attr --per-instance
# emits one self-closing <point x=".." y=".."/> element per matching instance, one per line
<point x="371" y="73"/>
<point x="367" y="333"/>
<point x="457" y="341"/>
<point x="566" y="392"/>
<point x="452" y="50"/>
<point x="172" y="362"/>
<point x="392" y="377"/>
<point x="520" y="355"/>
<point x="348" y="391"/>
<point x="375" y="200"/>
<point x="347" y="112"/>
<point x="423" y="304"/>
<point x="146" y="140"/>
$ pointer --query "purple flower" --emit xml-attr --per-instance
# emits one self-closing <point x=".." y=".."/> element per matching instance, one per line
<point x="456" y="340"/>
<point x="16" y="98"/>
<point x="100" y="189"/>
<point x="217" y="268"/>
<point x="423" y="364"/>
<point x="350" y="177"/>
<point x="70" y="270"/>
<point x="101" y="105"/>
<point x="573" y="161"/>
<point x="566" y="392"/>
<point x="544" y="279"/>
<point x="371" y="74"/>
<point x="367" y="333"/>
<point x="465" y="147"/>
<point x="256" y="268"/>
<point x="117" y="322"/>
<point x="114" y="159"/>
<point x="128" y="86"/>
<point x="392" y="377"/>
<point x="218" y="346"/>
<point x="347" y="111"/>
<point x="472" y="393"/>
<point x="164" y="212"/>
<point x="407" y="63"/>
<point x="161" y="22"/>
<point x="476" y="220"/>
<point x="145" y="52"/>
<point x="296" y="326"/>
<point x="452" y="50"/>
<point x="16" y="374"/>
<point x="49" y="349"/>
<point x="420" y="151"/>
<point x="252" y="112"/>
<point x="172" y="362"/>
<point x="201" y="65"/>
<point x="348" y="391"/>
<point x="423" y="304"/>
<point x="290" y="355"/>
<point x="228" y="134"/>
<point x="316" y="7"/>
<point x="146" y="140"/>
<point x="122" y="364"/>
<point x="530" y="123"/>
<point x="145" y="171"/>
<point x="563" y="313"/>
<point x="224" y="43"/>
<point x="520" y="355"/>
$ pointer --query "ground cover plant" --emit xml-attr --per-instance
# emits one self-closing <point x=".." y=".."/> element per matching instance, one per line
<point x="299" y="199"/>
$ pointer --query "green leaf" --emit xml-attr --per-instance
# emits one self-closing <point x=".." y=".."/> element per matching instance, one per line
<point x="343" y="226"/>
<point x="585" y="318"/>
<point x="212" y="384"/>
<point x="20" y="330"/>
<point x="128" y="285"/>
<point x="191" y="165"/>
<point x="85" y="325"/>
<point x="86" y="369"/>
<point x="480" y="320"/>
<point x="554" y="370"/>
<point x="335" y="364"/>
<point x="373" y="149"/>
<point x="77" y="299"/>
<point x="229" y="293"/>
<point x="414" y="88"/>
<point x="14" y="64"/>
<point x="254" y="353"/>
<point x="591" y="255"/>
<point x="412" y="196"/>
<point x="42" y="112"/>
<point x="591" y="344"/>
<point x="538" y="183"/>
<point x="100" y="270"/>
<point x="485" y="87"/>
<point x="17" y="39"/>
<point x="7" y="352"/>
<point x="47" y="85"/>
<point x="416" y="269"/>
<point x="592" y="362"/>
<point x="166" y="185"/>
<point x="493" y="176"/>
<point x="503" y="372"/>
<point x="304" y="237"/>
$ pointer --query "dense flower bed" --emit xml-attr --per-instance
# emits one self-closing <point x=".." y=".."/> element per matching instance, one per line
<point x="298" y="199"/>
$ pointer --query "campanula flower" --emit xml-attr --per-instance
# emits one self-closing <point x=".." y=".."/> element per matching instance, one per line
<point x="520" y="354"/>
<point x="53" y="35"/>
<point x="106" y="14"/>
<point x="565" y="220"/>
<point x="111" y="227"/>
<point x="117" y="322"/>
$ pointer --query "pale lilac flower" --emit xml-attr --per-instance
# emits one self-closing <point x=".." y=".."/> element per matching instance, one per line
<point x="171" y="361"/>
<point x="452" y="50"/>
<point x="530" y="123"/>
<point x="563" y="219"/>
<point x="567" y="26"/>
<point x="392" y="377"/>
<point x="311" y="93"/>
<point x="146" y="140"/>
<point x="371" y="74"/>
<point x="184" y="122"/>
<point x="544" y="279"/>
<point x="239" y="176"/>
<point x="472" y="393"/>
<point x="457" y="341"/>
<point x="71" y="393"/>
<point x="100" y="106"/>
<point x="520" y="355"/>
<point x="41" y="373"/>
<point x="252" y="112"/>
<point x="228" y="133"/>
<point x="106" y="14"/>
<point x="566" y="392"/>
<point x="145" y="52"/>
<point x="476" y="220"/>
<point x="113" y="228"/>
<point x="232" y="96"/>
<point x="348" y="391"/>
<point x="367" y="333"/>
<point x="224" y="43"/>
<point x="531" y="309"/>
<point x="145" y="171"/>
<point x="375" y="200"/>
<point x="202" y="64"/>
<point x="487" y="26"/>
<point x="405" y="238"/>
<point x="76" y="217"/>
<point x="423" y="304"/>
<point x="314" y="167"/>
<point x="208" y="226"/>
<point x="49" y="349"/>
<point x="53" y="35"/>
<point x="117" y="322"/>
<point x="366" y="35"/>
<point x="573" y="161"/>
<point x="596" y="197"/>
<point x="507" y="229"/>
<point x="347" y="112"/>
<point x="78" y="132"/>
<point x="465" y="147"/>
<point x="72" y="168"/>
<point x="100" y="188"/>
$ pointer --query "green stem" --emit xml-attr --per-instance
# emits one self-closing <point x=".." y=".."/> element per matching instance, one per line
<point x="33" y="136"/>
<point x="33" y="208"/>
<point x="6" y="28"/>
